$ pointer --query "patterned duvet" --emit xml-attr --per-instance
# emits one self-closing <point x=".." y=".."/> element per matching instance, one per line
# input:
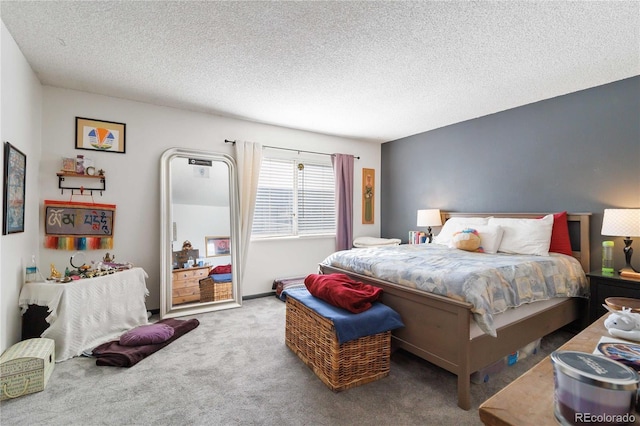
<point x="492" y="283"/>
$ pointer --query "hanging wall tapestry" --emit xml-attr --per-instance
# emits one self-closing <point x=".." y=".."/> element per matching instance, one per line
<point x="368" y="195"/>
<point x="78" y="226"/>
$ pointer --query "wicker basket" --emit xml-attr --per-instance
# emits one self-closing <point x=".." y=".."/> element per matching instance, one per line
<point x="211" y="291"/>
<point x="340" y="366"/>
<point x="222" y="291"/>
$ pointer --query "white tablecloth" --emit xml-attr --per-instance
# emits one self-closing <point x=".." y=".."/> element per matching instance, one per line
<point x="88" y="312"/>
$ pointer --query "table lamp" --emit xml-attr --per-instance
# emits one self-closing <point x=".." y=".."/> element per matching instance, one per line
<point x="622" y="223"/>
<point x="429" y="218"/>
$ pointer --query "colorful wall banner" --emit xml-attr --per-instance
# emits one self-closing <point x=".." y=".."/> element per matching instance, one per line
<point x="78" y="226"/>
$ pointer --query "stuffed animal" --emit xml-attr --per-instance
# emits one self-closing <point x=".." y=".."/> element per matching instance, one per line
<point x="468" y="239"/>
<point x="623" y="324"/>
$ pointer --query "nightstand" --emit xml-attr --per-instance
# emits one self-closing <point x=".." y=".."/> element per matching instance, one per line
<point x="609" y="285"/>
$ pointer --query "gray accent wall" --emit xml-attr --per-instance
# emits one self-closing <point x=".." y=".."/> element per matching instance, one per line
<point x="579" y="152"/>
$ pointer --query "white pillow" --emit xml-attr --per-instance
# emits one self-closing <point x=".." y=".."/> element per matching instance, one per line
<point x="525" y="236"/>
<point x="490" y="237"/>
<point x="456" y="224"/>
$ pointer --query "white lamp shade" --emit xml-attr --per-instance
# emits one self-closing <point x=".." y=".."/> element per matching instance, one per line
<point x="429" y="217"/>
<point x="621" y="222"/>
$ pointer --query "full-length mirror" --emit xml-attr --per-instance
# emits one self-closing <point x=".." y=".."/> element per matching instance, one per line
<point x="199" y="233"/>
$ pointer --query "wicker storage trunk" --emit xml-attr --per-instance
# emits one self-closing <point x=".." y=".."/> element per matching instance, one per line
<point x="210" y="291"/>
<point x="222" y="291"/>
<point x="340" y="366"/>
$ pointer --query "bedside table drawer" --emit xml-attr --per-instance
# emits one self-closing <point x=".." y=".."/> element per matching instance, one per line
<point x="614" y="291"/>
<point x="603" y="286"/>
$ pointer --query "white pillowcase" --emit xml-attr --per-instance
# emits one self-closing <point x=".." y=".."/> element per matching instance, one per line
<point x="490" y="237"/>
<point x="525" y="236"/>
<point x="456" y="224"/>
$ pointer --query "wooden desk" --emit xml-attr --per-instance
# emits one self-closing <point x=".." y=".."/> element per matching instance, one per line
<point x="528" y="400"/>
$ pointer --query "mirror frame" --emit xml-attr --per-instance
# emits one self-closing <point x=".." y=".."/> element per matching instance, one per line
<point x="167" y="310"/>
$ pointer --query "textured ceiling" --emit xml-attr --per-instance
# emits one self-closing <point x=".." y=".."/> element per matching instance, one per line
<point x="369" y="70"/>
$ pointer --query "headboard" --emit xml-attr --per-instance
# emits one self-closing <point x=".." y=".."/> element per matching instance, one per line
<point x="578" y="230"/>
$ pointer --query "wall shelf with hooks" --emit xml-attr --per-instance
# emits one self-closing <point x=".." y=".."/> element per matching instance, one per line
<point x="72" y="182"/>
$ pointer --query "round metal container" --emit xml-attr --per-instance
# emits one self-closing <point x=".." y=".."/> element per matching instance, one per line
<point x="592" y="389"/>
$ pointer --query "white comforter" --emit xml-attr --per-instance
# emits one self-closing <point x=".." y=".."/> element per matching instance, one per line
<point x="492" y="283"/>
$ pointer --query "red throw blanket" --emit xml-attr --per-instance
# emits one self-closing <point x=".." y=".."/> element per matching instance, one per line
<point x="341" y="291"/>
<point x="220" y="269"/>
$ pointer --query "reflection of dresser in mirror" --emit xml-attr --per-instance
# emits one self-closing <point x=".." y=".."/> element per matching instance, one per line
<point x="186" y="284"/>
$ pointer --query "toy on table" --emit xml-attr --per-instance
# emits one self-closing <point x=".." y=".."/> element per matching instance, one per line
<point x="623" y="323"/>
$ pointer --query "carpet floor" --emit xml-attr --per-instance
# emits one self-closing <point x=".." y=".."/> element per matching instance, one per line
<point x="235" y="369"/>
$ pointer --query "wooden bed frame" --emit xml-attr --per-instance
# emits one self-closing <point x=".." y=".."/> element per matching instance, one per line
<point x="437" y="328"/>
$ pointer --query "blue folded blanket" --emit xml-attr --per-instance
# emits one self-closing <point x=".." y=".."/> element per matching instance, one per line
<point x="349" y="326"/>
<point x="221" y="278"/>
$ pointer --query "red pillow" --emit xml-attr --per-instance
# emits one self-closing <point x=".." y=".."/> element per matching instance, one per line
<point x="560" y="241"/>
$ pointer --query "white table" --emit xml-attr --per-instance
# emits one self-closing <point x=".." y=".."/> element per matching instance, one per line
<point x="88" y="312"/>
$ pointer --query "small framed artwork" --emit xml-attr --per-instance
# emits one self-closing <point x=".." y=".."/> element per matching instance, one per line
<point x="368" y="196"/>
<point x="98" y="135"/>
<point x="15" y="173"/>
<point x="217" y="246"/>
<point x="69" y="165"/>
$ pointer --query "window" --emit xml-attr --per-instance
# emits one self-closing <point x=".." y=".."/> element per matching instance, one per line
<point x="294" y="198"/>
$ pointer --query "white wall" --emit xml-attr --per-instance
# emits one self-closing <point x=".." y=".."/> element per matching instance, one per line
<point x="132" y="179"/>
<point x="20" y="124"/>
<point x="40" y="121"/>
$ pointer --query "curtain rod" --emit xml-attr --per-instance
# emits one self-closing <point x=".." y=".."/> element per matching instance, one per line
<point x="290" y="149"/>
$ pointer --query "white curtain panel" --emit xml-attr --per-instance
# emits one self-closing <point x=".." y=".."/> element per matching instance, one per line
<point x="249" y="160"/>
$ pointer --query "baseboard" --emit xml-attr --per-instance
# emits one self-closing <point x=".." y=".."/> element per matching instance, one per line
<point x="257" y="296"/>
<point x="253" y="296"/>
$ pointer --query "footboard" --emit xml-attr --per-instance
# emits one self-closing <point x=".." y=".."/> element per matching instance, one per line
<point x="437" y="329"/>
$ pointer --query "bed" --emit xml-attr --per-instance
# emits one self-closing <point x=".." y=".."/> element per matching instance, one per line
<point x="444" y="331"/>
